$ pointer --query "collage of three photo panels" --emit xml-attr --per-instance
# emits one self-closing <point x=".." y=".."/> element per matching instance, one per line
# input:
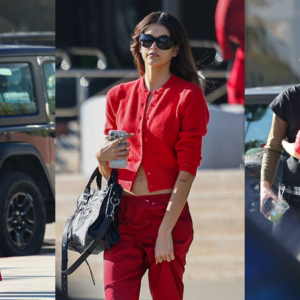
<point x="150" y="149"/>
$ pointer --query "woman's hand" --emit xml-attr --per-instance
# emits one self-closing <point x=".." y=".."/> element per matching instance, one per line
<point x="111" y="150"/>
<point x="164" y="247"/>
<point x="266" y="193"/>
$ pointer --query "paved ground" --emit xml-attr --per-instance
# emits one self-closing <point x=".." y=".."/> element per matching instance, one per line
<point x="30" y="277"/>
<point x="215" y="263"/>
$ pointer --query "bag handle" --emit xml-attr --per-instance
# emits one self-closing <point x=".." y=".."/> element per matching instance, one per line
<point x="96" y="174"/>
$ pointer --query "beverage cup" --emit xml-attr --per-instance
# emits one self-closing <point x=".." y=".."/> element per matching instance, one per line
<point x="277" y="211"/>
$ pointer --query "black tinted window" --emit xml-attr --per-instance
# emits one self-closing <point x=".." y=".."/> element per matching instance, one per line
<point x="17" y="94"/>
<point x="258" y="119"/>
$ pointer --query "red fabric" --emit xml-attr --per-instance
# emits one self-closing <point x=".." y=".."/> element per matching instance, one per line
<point x="168" y="138"/>
<point x="140" y="218"/>
<point x="297" y="143"/>
<point x="236" y="81"/>
<point x="230" y="27"/>
<point x="230" y="24"/>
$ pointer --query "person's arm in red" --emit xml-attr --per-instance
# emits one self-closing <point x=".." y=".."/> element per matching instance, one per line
<point x="229" y="23"/>
<point x="194" y="120"/>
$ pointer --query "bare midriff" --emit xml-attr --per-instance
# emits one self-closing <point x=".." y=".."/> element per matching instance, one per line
<point x="140" y="184"/>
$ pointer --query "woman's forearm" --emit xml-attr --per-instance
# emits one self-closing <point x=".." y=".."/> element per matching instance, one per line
<point x="178" y="199"/>
<point x="104" y="169"/>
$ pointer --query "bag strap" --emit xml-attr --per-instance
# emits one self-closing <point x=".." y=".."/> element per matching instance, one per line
<point x="88" y="251"/>
<point x="64" y="257"/>
<point x="96" y="174"/>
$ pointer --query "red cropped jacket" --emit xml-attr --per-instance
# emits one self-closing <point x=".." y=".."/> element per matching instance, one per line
<point x="168" y="137"/>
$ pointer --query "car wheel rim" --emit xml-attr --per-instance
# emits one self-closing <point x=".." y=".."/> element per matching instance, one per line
<point x="20" y="219"/>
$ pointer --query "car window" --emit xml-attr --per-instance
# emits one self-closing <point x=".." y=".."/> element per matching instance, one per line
<point x="17" y="93"/>
<point x="49" y="71"/>
<point x="258" y="119"/>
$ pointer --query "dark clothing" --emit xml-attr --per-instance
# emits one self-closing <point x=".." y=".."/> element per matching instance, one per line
<point x="287" y="107"/>
<point x="286" y="231"/>
<point x="139" y="221"/>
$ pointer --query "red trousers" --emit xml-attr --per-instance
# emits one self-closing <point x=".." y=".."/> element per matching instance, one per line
<point x="140" y="218"/>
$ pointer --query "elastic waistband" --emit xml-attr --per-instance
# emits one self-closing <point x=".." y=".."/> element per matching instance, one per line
<point x="290" y="189"/>
<point x="150" y="197"/>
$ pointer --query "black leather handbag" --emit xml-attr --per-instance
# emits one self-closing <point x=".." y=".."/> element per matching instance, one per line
<point x="94" y="225"/>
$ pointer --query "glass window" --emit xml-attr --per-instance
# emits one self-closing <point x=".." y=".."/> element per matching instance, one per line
<point x="49" y="71"/>
<point x="17" y="93"/>
<point x="258" y="119"/>
<point x="272" y="43"/>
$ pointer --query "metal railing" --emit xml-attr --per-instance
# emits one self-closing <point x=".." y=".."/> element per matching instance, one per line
<point x="82" y="75"/>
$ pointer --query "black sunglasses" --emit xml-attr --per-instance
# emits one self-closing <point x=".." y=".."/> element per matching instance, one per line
<point x="163" y="42"/>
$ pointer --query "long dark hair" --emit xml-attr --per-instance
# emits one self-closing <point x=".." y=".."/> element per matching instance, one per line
<point x="182" y="64"/>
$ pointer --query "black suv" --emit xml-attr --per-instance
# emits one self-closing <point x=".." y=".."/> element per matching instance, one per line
<point x="258" y="119"/>
<point x="27" y="147"/>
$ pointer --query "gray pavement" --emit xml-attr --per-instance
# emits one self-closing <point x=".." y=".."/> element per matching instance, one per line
<point x="215" y="262"/>
<point x="30" y="277"/>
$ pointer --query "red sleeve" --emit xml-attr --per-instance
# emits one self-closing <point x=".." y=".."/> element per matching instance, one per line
<point x="194" y="119"/>
<point x="229" y="22"/>
<point x="111" y="109"/>
<point x="297" y="143"/>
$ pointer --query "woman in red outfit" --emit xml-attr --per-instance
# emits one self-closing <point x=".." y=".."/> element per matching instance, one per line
<point x="166" y="114"/>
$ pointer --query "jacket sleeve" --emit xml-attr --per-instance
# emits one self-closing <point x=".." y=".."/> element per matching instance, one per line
<point x="194" y="116"/>
<point x="273" y="149"/>
<point x="111" y="110"/>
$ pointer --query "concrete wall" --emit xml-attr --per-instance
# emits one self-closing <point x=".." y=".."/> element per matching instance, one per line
<point x="223" y="146"/>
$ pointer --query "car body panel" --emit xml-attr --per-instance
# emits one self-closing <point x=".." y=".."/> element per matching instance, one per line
<point x="37" y="136"/>
<point x="24" y="136"/>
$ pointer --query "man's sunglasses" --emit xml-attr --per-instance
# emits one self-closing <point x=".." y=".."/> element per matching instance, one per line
<point x="163" y="42"/>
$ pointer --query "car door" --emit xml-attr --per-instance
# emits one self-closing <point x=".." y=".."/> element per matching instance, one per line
<point x="47" y="69"/>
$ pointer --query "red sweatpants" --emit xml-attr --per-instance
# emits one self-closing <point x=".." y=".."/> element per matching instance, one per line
<point x="140" y="218"/>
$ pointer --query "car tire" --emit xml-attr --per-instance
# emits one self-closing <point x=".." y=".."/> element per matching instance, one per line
<point x="22" y="215"/>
